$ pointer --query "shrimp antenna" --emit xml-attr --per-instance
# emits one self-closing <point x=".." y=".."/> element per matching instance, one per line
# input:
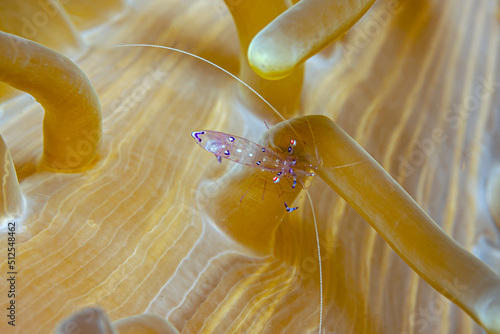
<point x="211" y="63"/>
<point x="282" y="118"/>
<point x="319" y="160"/>
<point x="319" y="262"/>
<point x="217" y="66"/>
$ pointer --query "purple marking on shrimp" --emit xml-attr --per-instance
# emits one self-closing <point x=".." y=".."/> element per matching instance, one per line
<point x="289" y="209"/>
<point x="195" y="135"/>
<point x="282" y="164"/>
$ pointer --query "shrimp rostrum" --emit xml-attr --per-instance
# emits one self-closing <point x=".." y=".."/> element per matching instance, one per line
<point x="246" y="152"/>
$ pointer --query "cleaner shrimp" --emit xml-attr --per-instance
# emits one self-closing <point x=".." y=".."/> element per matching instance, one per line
<point x="251" y="154"/>
<point x="246" y="152"/>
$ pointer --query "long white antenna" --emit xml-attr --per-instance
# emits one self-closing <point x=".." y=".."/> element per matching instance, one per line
<point x="280" y="116"/>
<point x="319" y="266"/>
<point x="209" y="62"/>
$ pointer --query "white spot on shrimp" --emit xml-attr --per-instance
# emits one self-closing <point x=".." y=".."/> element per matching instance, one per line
<point x="211" y="146"/>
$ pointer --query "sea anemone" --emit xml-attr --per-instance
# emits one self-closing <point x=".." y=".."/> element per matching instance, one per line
<point x="119" y="215"/>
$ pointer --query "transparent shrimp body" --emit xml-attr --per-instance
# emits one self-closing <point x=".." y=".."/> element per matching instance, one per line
<point x="246" y="152"/>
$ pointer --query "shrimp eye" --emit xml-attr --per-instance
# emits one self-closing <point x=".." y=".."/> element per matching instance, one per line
<point x="258" y="163"/>
<point x="231" y="139"/>
<point x="226" y="152"/>
<point x="293" y="142"/>
<point x="263" y="149"/>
